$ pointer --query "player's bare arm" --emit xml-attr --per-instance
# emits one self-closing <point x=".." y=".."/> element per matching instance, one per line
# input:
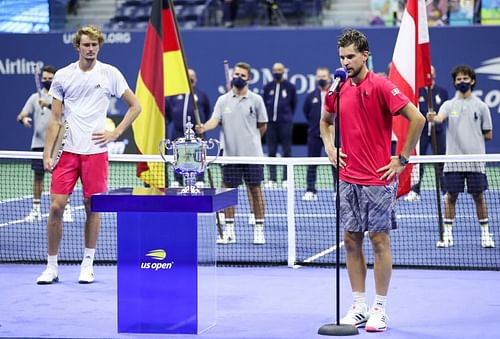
<point x="327" y="131"/>
<point x="134" y="108"/>
<point x="417" y="121"/>
<point x="53" y="126"/>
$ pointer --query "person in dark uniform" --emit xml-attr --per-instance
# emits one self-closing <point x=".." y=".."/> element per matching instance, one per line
<point x="178" y="108"/>
<point x="313" y="106"/>
<point x="280" y="98"/>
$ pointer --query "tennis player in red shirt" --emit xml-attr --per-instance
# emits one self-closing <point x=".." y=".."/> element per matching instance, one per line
<point x="368" y="173"/>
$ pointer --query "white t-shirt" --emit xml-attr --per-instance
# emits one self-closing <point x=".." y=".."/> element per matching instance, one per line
<point x="86" y="97"/>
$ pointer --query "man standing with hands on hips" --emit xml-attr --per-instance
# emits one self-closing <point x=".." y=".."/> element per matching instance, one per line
<point x="81" y="94"/>
<point x="368" y="173"/>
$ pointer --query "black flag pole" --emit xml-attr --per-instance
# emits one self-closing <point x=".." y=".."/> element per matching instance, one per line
<point x="437" y="171"/>
<point x="195" y="104"/>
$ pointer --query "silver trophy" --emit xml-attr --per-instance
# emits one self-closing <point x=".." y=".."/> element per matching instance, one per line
<point x="190" y="157"/>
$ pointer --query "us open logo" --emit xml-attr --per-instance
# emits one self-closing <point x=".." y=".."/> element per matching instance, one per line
<point x="157" y="262"/>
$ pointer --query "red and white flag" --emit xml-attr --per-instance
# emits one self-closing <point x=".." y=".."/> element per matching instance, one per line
<point x="410" y="69"/>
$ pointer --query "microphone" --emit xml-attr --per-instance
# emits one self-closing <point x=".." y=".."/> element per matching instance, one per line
<point x="340" y="75"/>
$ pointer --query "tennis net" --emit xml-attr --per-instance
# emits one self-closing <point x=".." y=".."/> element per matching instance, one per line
<point x="299" y="227"/>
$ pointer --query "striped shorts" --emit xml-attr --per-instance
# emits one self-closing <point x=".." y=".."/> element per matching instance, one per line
<point x="368" y="208"/>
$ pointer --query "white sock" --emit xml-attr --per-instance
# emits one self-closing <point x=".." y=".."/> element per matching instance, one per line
<point x="380" y="301"/>
<point x="229" y="223"/>
<point x="484" y="227"/>
<point x="359" y="298"/>
<point x="259" y="223"/>
<point x="88" y="255"/>
<point x="36" y="204"/>
<point x="52" y="262"/>
<point x="448" y="226"/>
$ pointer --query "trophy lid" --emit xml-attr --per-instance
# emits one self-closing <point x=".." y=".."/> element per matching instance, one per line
<point x="189" y="132"/>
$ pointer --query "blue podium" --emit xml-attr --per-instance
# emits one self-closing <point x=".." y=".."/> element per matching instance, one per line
<point x="166" y="246"/>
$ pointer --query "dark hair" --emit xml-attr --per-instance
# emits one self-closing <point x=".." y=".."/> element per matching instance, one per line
<point x="464" y="69"/>
<point x="351" y="36"/>
<point x="49" y="69"/>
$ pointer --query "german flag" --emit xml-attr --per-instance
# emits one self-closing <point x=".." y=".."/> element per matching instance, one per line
<point x="162" y="73"/>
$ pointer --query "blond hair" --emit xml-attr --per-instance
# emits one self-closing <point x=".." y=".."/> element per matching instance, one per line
<point x="91" y="31"/>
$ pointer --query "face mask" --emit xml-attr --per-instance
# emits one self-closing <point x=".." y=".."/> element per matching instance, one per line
<point x="322" y="83"/>
<point x="463" y="87"/>
<point x="46" y="84"/>
<point x="278" y="76"/>
<point x="239" y="83"/>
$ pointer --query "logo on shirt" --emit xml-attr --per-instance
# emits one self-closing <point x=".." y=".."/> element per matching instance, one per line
<point x="395" y="91"/>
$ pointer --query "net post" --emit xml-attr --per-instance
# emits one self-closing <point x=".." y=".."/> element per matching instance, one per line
<point x="292" y="252"/>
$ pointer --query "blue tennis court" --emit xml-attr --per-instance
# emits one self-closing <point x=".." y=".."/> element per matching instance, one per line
<point x="258" y="302"/>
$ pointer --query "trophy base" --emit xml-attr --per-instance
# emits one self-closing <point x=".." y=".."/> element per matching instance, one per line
<point x="190" y="190"/>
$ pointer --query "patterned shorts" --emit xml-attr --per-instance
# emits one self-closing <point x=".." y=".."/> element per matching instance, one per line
<point x="368" y="208"/>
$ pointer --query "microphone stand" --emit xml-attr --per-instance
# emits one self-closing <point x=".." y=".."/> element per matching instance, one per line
<point x="337" y="329"/>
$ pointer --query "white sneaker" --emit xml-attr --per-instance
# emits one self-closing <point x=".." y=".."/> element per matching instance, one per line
<point x="67" y="214"/>
<point x="377" y="320"/>
<point x="487" y="241"/>
<point x="200" y="184"/>
<point x="221" y="240"/>
<point x="309" y="196"/>
<point x="284" y="184"/>
<point x="251" y="219"/>
<point x="258" y="236"/>
<point x="270" y="184"/>
<point x="356" y="316"/>
<point x="228" y="237"/>
<point x="447" y="240"/>
<point x="174" y="184"/>
<point x="48" y="277"/>
<point x="86" y="274"/>
<point x="412" y="197"/>
<point x="34" y="215"/>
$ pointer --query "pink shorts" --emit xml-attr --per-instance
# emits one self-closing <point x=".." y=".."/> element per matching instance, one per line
<point x="92" y="169"/>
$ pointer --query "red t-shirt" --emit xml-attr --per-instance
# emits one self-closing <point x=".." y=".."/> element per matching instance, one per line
<point x="366" y="111"/>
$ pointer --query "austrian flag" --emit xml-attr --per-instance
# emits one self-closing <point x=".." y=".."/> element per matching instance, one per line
<point x="410" y="70"/>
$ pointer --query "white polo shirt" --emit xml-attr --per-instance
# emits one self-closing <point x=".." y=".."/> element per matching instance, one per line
<point x="239" y="116"/>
